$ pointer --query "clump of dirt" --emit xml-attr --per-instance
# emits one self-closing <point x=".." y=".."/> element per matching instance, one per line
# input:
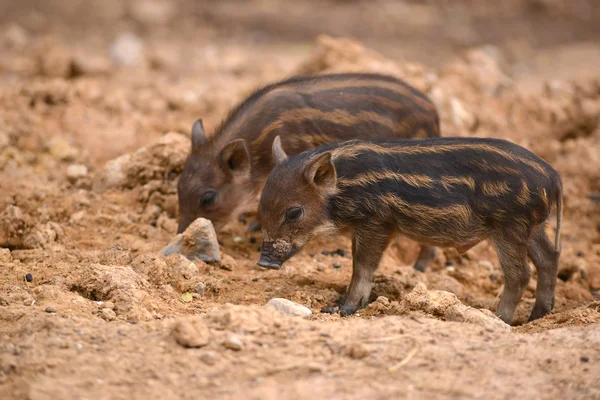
<point x="149" y="165"/>
<point x="93" y="138"/>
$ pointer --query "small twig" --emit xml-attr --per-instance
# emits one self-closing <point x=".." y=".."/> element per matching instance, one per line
<point x="386" y="339"/>
<point x="406" y="359"/>
<point x="283" y="368"/>
<point x="310" y="365"/>
<point x="409" y="356"/>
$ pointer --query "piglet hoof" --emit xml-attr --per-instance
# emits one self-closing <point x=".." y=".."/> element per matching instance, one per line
<point x="347" y="310"/>
<point x="329" y="309"/>
<point x="538" y="312"/>
<point x="254" y="226"/>
<point x="335" y="307"/>
<point x="419" y="267"/>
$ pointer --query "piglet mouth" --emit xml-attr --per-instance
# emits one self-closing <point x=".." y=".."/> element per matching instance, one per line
<point x="267" y="262"/>
<point x="273" y="254"/>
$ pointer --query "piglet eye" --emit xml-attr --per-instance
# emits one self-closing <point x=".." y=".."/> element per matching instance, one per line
<point x="294" y="214"/>
<point x="208" y="198"/>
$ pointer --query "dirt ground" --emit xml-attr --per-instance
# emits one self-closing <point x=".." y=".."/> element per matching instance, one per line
<point x="103" y="316"/>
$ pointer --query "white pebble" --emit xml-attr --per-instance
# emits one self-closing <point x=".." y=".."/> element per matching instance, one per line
<point x="233" y="343"/>
<point x="76" y="171"/>
<point x="288" y="307"/>
<point x="127" y="49"/>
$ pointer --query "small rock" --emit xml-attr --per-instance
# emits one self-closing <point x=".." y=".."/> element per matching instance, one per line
<point x="127" y="50"/>
<point x="108" y="304"/>
<point x="209" y="358"/>
<point x="325" y="252"/>
<point x="357" y="351"/>
<point x="29" y="277"/>
<point x="487" y="265"/>
<point x="233" y="343"/>
<point x="5" y="255"/>
<point x="50" y="310"/>
<point x="493" y="277"/>
<point x="580" y="253"/>
<point x="13" y="224"/>
<point x="382" y="300"/>
<point x="462" y="313"/>
<point x="341" y="252"/>
<point x="200" y="288"/>
<point x="199" y="241"/>
<point x="337" y="265"/>
<point x="288" y="307"/>
<point x="77" y="217"/>
<point x="114" y="173"/>
<point x="252" y="239"/>
<point x="242" y="219"/>
<point x="449" y="263"/>
<point x="447" y="305"/>
<point x="76" y="171"/>
<point x="433" y="302"/>
<point x="43" y="235"/>
<point x="227" y="263"/>
<point x="238" y="240"/>
<point x="191" y="333"/>
<point x="186" y="268"/>
<point x="108" y="314"/>
<point x="62" y="150"/>
<point x="584" y="359"/>
<point x="151" y="213"/>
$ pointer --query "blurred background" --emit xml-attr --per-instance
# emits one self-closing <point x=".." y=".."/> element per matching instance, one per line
<point x="97" y="98"/>
<point x="188" y="58"/>
<point x="424" y="31"/>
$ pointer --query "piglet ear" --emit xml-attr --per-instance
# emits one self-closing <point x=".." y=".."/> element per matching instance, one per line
<point x="198" y="135"/>
<point x="320" y="172"/>
<point x="234" y="157"/>
<point x="278" y="153"/>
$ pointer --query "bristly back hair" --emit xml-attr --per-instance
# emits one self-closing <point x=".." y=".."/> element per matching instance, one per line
<point x="260" y="91"/>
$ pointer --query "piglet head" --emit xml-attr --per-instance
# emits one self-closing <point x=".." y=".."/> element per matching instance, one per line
<point x="294" y="204"/>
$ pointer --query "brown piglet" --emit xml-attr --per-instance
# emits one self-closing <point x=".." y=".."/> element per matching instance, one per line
<point x="447" y="192"/>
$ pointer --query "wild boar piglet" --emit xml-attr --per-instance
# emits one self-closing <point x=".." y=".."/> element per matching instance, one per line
<point x="447" y="192"/>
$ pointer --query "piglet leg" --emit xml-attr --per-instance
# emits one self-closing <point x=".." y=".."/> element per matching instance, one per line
<point x="426" y="254"/>
<point x="367" y="249"/>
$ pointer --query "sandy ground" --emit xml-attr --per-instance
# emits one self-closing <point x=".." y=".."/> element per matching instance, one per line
<point x="103" y="315"/>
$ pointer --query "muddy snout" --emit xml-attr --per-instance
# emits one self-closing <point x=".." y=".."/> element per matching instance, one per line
<point x="274" y="254"/>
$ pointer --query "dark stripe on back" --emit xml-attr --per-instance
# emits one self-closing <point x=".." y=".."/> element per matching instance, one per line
<point x="304" y="81"/>
<point x="389" y="94"/>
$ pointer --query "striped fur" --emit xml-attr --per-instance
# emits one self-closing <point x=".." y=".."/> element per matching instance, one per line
<point x="306" y="112"/>
<point x="434" y="191"/>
